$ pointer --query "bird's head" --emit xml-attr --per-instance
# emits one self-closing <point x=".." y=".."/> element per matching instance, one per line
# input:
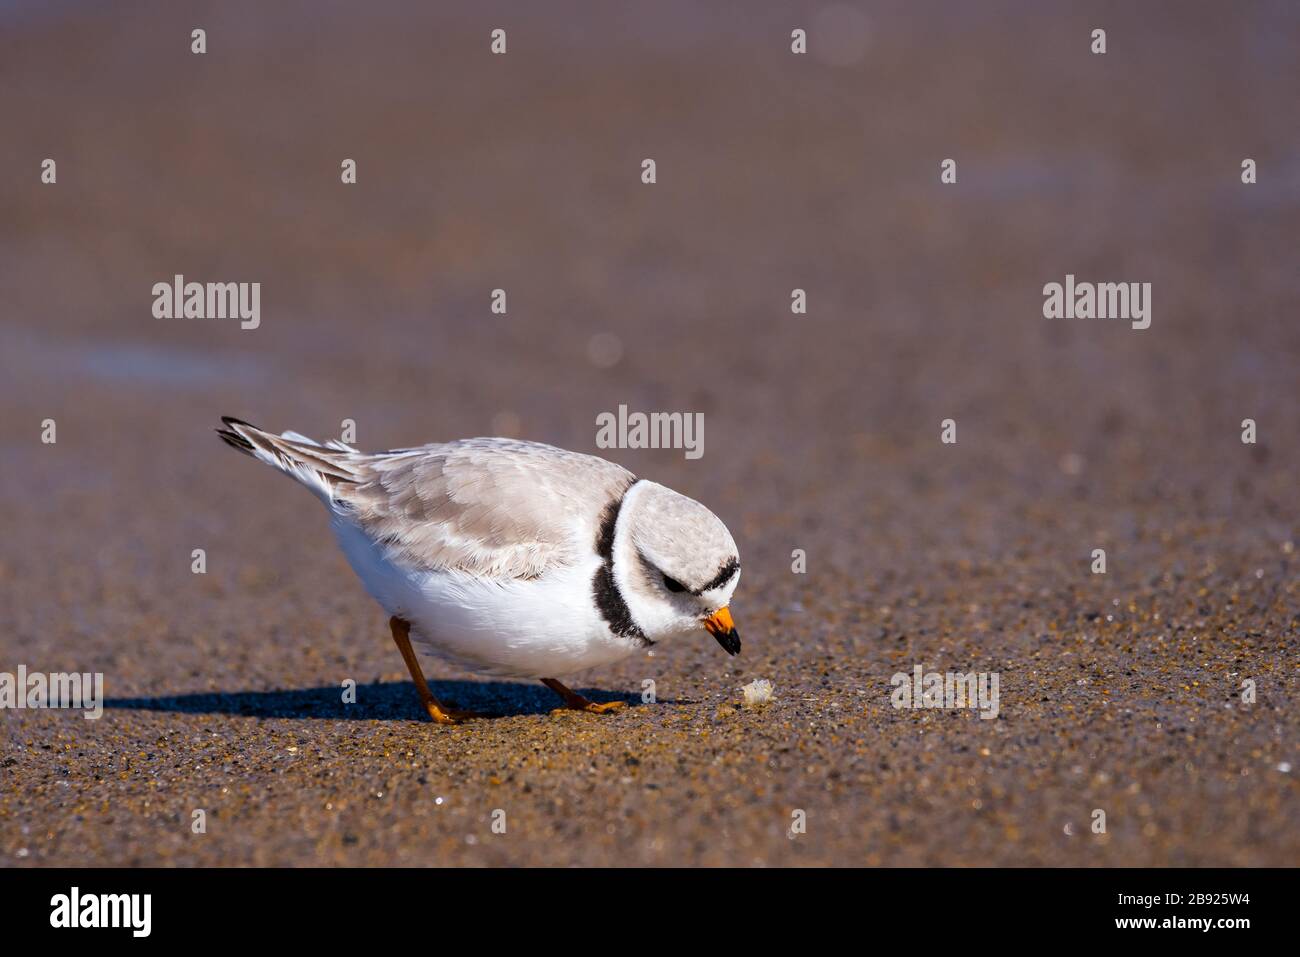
<point x="676" y="565"/>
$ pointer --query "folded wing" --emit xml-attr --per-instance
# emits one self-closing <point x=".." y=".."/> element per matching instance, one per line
<point x="494" y="508"/>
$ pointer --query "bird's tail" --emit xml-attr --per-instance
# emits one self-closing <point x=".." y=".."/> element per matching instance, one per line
<point x="322" y="468"/>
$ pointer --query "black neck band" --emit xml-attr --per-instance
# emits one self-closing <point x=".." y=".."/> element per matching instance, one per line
<point x="608" y="598"/>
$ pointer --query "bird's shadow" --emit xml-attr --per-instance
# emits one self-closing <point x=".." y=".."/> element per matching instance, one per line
<point x="378" y="701"/>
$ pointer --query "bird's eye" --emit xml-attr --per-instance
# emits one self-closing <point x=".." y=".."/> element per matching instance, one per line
<point x="673" y="584"/>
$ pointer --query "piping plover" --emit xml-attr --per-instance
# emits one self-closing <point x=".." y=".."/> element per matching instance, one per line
<point x="515" y="558"/>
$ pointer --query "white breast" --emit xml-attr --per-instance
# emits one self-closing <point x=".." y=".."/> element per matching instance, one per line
<point x="546" y="627"/>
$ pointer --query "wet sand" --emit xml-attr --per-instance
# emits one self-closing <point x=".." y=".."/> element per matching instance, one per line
<point x="1119" y="692"/>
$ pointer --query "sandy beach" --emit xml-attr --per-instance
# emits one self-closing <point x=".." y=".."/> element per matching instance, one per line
<point x="1119" y="692"/>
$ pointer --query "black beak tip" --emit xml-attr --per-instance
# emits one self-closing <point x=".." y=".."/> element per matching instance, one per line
<point x="730" y="642"/>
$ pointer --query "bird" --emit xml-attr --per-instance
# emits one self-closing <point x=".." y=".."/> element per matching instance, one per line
<point x="515" y="558"/>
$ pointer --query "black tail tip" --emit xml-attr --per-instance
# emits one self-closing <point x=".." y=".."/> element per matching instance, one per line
<point x="234" y="439"/>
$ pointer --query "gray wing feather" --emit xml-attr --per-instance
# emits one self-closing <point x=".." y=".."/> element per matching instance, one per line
<point x="495" y="508"/>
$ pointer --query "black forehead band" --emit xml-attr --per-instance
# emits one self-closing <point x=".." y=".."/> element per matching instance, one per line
<point x="729" y="568"/>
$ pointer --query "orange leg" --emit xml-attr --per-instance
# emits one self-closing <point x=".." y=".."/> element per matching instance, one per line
<point x="439" y="713"/>
<point x="576" y="702"/>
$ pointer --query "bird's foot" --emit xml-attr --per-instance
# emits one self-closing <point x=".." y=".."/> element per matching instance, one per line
<point x="442" y="714"/>
<point x="591" y="707"/>
<point x="576" y="702"/>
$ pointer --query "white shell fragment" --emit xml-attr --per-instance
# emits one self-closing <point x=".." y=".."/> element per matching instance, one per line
<point x="758" y="692"/>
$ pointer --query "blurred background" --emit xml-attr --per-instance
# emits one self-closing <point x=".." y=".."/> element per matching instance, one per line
<point x="775" y="171"/>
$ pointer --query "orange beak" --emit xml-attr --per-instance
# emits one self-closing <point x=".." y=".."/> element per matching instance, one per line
<point x="722" y="628"/>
